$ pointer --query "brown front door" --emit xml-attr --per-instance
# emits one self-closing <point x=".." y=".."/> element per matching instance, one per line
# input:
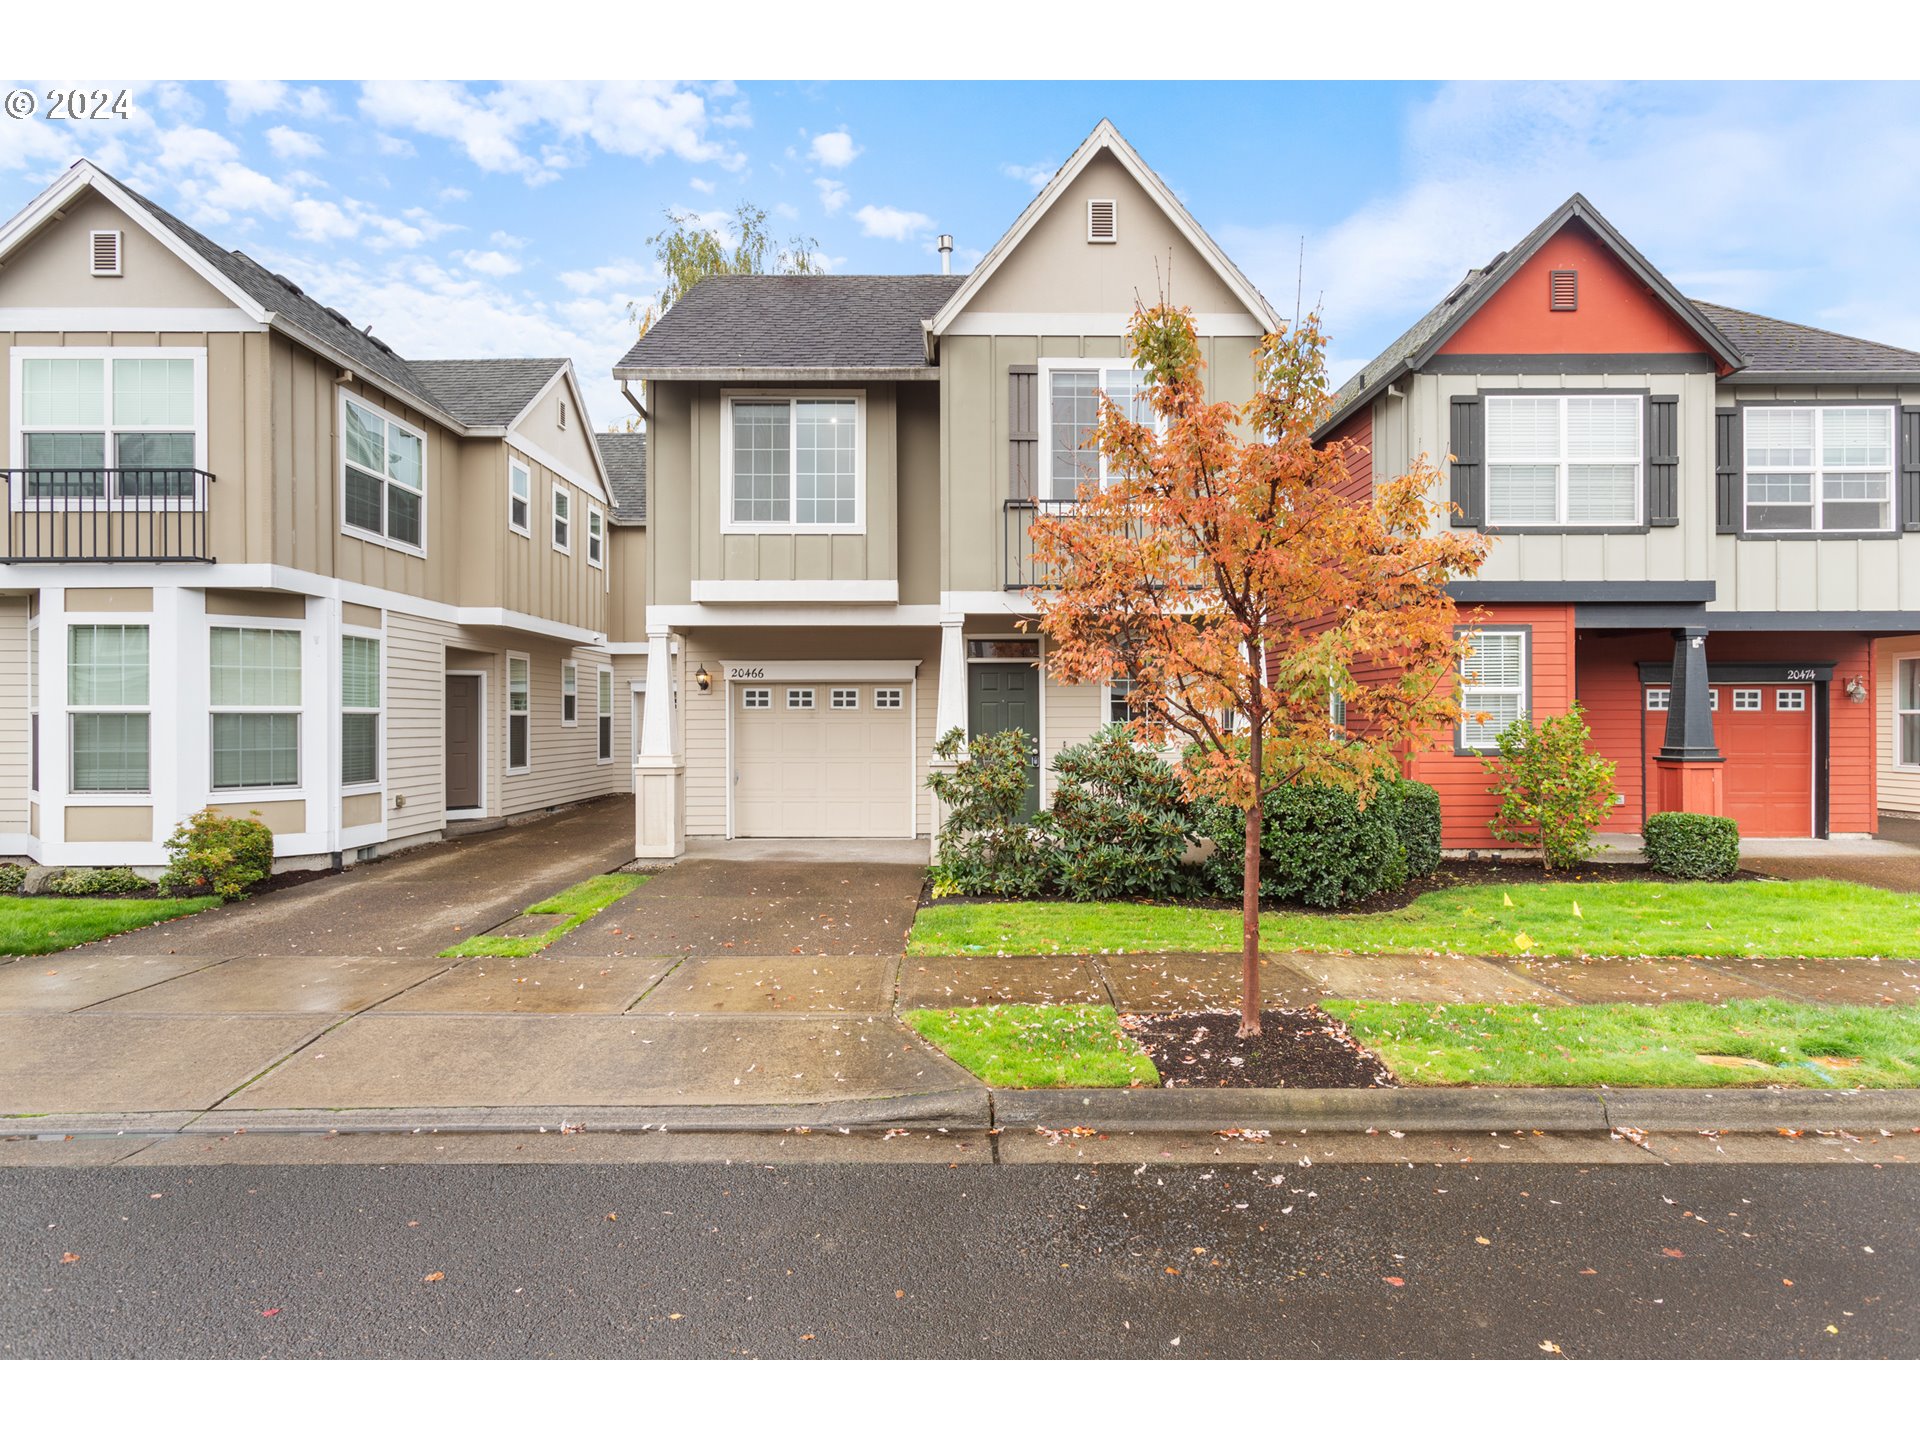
<point x="463" y="742"/>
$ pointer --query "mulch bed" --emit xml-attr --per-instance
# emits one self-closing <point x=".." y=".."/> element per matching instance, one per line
<point x="1304" y="1049"/>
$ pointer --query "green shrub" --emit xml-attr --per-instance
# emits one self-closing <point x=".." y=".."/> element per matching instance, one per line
<point x="986" y="847"/>
<point x="1692" y="847"/>
<point x="226" y="854"/>
<point x="1553" y="790"/>
<point x="1419" y="825"/>
<point x="81" y="880"/>
<point x="1120" y="822"/>
<point x="12" y="877"/>
<point x="1318" y="847"/>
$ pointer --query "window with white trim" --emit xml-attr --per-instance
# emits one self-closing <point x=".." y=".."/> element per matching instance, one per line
<point x="800" y="699"/>
<point x="604" y="712"/>
<point x="108" y="732"/>
<point x="383" y="476"/>
<point x="104" y="426"/>
<point x="1493" y="686"/>
<point x="1813" y="468"/>
<point x="596" y="537"/>
<point x="756" y="699"/>
<point x="1713" y="699"/>
<point x="359" y="710"/>
<point x="519" y="498"/>
<point x="1790" y="700"/>
<point x="1563" y="461"/>
<point x="1906" y="711"/>
<point x="1120" y="700"/>
<point x="889" y="699"/>
<point x="1746" y="700"/>
<point x="796" y="462"/>
<point x="519" y="714"/>
<point x="254" y="695"/>
<point x="569" y="693"/>
<point x="1659" y="698"/>
<point x="562" y="519"/>
<point x="843" y="699"/>
<point x="1070" y="405"/>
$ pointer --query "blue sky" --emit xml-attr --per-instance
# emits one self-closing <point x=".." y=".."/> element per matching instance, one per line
<point x="482" y="218"/>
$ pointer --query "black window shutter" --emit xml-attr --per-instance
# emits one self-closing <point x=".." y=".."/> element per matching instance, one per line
<point x="1726" y="472"/>
<point x="1663" y="460"/>
<point x="1023" y="431"/>
<point x="1467" y="443"/>
<point x="1909" y="518"/>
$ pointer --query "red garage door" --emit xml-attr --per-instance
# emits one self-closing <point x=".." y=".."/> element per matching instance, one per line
<point x="1766" y="733"/>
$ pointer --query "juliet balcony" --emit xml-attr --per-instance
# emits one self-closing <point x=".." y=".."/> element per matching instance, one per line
<point x="96" y="516"/>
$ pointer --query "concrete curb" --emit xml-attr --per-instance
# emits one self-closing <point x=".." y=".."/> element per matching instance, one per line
<point x="1764" y="1109"/>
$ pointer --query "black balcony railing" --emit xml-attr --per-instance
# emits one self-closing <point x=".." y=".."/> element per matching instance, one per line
<point x="1022" y="568"/>
<point x="85" y="517"/>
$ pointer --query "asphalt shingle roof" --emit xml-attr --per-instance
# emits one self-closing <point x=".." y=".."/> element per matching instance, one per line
<point x="1781" y="346"/>
<point x="485" y="392"/>
<point x="796" y="321"/>
<point x="624" y="453"/>
<point x="1411" y="342"/>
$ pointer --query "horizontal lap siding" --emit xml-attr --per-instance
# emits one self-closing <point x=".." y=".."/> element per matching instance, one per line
<point x="16" y="746"/>
<point x="1607" y="681"/>
<point x="564" y="766"/>
<point x="1899" y="786"/>
<point x="416" y="723"/>
<point x="1358" y="429"/>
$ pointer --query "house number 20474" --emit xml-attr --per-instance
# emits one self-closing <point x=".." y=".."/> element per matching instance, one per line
<point x="1800" y="675"/>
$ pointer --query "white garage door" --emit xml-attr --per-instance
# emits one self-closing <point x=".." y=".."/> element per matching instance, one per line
<point x="822" y="758"/>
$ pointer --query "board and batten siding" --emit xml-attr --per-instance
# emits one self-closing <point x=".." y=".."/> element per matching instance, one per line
<point x="1899" y="784"/>
<point x="525" y="573"/>
<point x="16" y="745"/>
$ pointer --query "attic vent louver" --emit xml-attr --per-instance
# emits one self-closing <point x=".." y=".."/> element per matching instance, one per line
<point x="1102" y="222"/>
<point x="1563" y="289"/>
<point x="104" y="252"/>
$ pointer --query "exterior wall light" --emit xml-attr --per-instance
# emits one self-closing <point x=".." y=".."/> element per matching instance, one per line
<point x="1857" y="689"/>
<point x="703" y="679"/>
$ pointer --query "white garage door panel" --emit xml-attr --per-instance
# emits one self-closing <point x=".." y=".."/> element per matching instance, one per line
<point x="821" y="772"/>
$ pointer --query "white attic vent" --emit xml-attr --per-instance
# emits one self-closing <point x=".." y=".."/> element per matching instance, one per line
<point x="1102" y="222"/>
<point x="104" y="252"/>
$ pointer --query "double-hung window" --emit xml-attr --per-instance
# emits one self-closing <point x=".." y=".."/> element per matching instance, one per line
<point x="383" y="482"/>
<point x="107" y="697"/>
<point x="795" y="462"/>
<point x="596" y="537"/>
<point x="519" y="713"/>
<point x="110" y="426"/>
<point x="605" y="714"/>
<point x="1812" y="468"/>
<point x="359" y="710"/>
<point x="1564" y="461"/>
<point x="1906" y="712"/>
<point x="562" y="519"/>
<point x="569" y="693"/>
<point x="519" y="498"/>
<point x="1493" y="686"/>
<point x="1120" y="700"/>
<point x="254" y="690"/>
<point x="1072" y="392"/>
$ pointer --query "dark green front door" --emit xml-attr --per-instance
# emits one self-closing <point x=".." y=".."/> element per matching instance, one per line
<point x="1006" y="696"/>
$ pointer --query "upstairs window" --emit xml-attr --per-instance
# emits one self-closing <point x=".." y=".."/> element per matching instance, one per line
<point x="596" y="537"/>
<point x="1071" y="392"/>
<point x="1815" y="468"/>
<point x="1563" y="461"/>
<point x="104" y="426"/>
<point x="384" y="476"/>
<point x="562" y="519"/>
<point x="1493" y="687"/>
<point x="519" y="498"/>
<point x="796" y="463"/>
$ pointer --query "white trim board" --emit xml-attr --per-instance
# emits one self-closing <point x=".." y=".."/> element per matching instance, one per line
<point x="1010" y="322"/>
<point x="92" y="319"/>
<point x="749" y="672"/>
<point x="689" y="617"/>
<point x="796" y="592"/>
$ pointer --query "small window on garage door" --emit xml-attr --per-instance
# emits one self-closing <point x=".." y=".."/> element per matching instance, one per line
<point x="1746" y="699"/>
<point x="756" y="699"/>
<point x="889" y="699"/>
<point x="1790" y="700"/>
<point x="845" y="699"/>
<point x="800" y="699"/>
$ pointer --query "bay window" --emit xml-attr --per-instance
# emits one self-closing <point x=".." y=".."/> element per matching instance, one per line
<point x="795" y="462"/>
<point x="254" y="692"/>
<point x="1493" y="686"/>
<point x="1906" y="712"/>
<point x="359" y="710"/>
<point x="1564" y="461"/>
<point x="1813" y="468"/>
<point x="107" y="697"/>
<point x="1071" y="397"/>
<point x="383" y="480"/>
<point x="110" y="424"/>
<point x="519" y="713"/>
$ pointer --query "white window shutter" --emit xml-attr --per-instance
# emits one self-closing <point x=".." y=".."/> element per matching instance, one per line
<point x="104" y="252"/>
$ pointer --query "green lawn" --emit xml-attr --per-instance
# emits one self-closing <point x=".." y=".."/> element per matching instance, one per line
<point x="575" y="905"/>
<point x="1039" y="1047"/>
<point x="1776" y="918"/>
<point x="1822" y="1047"/>
<point x="40" y="926"/>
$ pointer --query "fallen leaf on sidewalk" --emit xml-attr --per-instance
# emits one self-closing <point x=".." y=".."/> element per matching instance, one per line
<point x="435" y="1278"/>
<point x="1551" y="1348"/>
<point x="269" y="1314"/>
<point x="1481" y="1240"/>
<point x="1673" y="1254"/>
<point x="1393" y="1280"/>
<point x="68" y="1258"/>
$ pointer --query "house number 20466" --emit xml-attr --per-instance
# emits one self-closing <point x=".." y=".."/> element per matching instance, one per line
<point x="745" y="672"/>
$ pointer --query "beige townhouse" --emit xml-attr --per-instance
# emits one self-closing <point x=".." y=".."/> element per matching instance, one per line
<point x="844" y="469"/>
<point x="254" y="559"/>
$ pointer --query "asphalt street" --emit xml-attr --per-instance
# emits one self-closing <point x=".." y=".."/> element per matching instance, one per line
<point x="883" y="1260"/>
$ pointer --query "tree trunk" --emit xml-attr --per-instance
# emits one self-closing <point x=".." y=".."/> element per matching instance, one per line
<point x="1250" y="904"/>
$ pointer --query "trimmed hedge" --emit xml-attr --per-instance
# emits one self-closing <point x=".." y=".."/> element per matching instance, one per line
<point x="12" y="877"/>
<point x="1317" y="847"/>
<point x="1692" y="847"/>
<point x="1119" y="822"/>
<point x="85" y="880"/>
<point x="1419" y="826"/>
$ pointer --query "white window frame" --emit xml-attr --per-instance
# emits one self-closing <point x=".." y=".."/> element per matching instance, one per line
<point x="34" y="687"/>
<point x="1109" y="692"/>
<point x="795" y="694"/>
<point x="378" y="711"/>
<point x="603" y="714"/>
<point x="18" y="431"/>
<point x="1101" y="368"/>
<point x="596" y="536"/>
<point x="1906" y="679"/>
<point x="569" y="690"/>
<point x="298" y="711"/>
<point x="843" y="697"/>
<point x="562" y="501"/>
<point x="70" y="710"/>
<point x="756" y="697"/>
<point x="1563" y="462"/>
<point x="1749" y="698"/>
<point x="523" y="715"/>
<point x="520" y="491"/>
<point x="731" y="526"/>
<point x="426" y="479"/>
<point x="1659" y="698"/>
<point x="889" y="697"/>
<point x="1524" y="690"/>
<point x="1799" y="706"/>
<point x="1817" y="472"/>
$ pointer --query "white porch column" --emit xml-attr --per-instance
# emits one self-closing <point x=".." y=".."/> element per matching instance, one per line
<point x="950" y="708"/>
<point x="659" y="777"/>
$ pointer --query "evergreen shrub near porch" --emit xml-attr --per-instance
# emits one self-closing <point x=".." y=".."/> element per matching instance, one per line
<point x="1692" y="847"/>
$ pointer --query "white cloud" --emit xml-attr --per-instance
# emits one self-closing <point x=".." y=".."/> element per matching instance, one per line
<point x="835" y="149"/>
<point x="832" y="194"/>
<point x="884" y="222"/>
<point x="488" y="262"/>
<point x="705" y="187"/>
<point x="291" y="144"/>
<point x="178" y="101"/>
<point x="322" y="220"/>
<point x="186" y="147"/>
<point x="504" y="240"/>
<point x="453" y="194"/>
<point x="246" y="98"/>
<point x="1034" y="175"/>
<point x="615" y="275"/>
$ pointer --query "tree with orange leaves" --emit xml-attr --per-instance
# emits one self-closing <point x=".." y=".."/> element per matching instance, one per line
<point x="1221" y="569"/>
